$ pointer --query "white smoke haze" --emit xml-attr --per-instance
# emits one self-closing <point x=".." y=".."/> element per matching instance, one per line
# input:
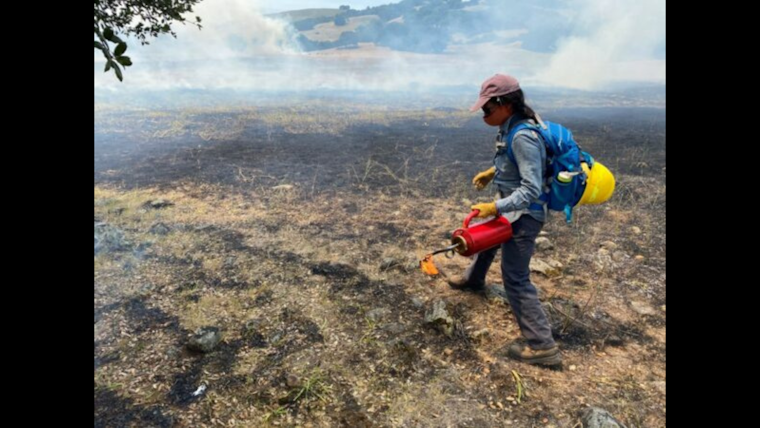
<point x="606" y="42"/>
<point x="615" y="40"/>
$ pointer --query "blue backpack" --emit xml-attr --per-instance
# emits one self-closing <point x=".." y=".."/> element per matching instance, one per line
<point x="563" y="156"/>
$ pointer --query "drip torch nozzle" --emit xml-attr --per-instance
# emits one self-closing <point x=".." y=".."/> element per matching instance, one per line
<point x="451" y="248"/>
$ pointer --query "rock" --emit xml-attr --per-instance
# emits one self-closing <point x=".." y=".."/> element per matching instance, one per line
<point x="159" y="229"/>
<point x="494" y="291"/>
<point x="205" y="339"/>
<point x="417" y="302"/>
<point x="439" y="318"/>
<point x="594" y="417"/>
<point x="540" y="266"/>
<point x="543" y="244"/>
<point x="642" y="308"/>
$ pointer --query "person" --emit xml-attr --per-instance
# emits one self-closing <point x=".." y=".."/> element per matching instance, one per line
<point x="520" y="184"/>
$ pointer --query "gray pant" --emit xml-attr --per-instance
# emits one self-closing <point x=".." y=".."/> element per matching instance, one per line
<point x="522" y="294"/>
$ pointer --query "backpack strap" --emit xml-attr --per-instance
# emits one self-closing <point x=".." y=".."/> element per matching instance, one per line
<point x="568" y="214"/>
<point x="544" y="198"/>
<point x="538" y="206"/>
<point x="511" y="136"/>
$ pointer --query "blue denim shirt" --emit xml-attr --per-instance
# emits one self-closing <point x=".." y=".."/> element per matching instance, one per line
<point x="521" y="184"/>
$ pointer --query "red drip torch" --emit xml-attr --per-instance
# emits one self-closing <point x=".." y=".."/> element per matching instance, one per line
<point x="472" y="240"/>
<point x="482" y="236"/>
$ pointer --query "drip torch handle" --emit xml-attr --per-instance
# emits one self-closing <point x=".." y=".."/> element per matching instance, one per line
<point x="472" y="215"/>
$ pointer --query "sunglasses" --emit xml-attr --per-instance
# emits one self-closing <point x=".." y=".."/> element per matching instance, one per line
<point x="495" y="102"/>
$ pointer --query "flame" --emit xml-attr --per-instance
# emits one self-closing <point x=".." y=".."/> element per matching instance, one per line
<point x="427" y="265"/>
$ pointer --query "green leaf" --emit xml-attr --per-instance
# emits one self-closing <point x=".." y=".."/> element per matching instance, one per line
<point x="198" y="18"/>
<point x="124" y="60"/>
<point x="110" y="36"/>
<point x="100" y="46"/>
<point x="109" y="64"/>
<point x="118" y="73"/>
<point x="120" y="49"/>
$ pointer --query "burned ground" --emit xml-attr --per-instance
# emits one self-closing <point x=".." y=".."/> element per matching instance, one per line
<point x="297" y="235"/>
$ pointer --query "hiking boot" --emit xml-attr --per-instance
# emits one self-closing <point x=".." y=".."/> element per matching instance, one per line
<point x="461" y="283"/>
<point x="520" y="351"/>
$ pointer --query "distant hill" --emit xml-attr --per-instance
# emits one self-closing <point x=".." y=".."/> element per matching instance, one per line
<point x="429" y="26"/>
<point x="303" y="14"/>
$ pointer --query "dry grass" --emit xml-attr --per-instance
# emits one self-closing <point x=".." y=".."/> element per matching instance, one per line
<point x="428" y="380"/>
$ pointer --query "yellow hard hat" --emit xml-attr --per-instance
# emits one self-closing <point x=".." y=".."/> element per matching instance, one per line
<point x="600" y="183"/>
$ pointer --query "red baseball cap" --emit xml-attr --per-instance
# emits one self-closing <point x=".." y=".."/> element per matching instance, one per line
<point x="497" y="85"/>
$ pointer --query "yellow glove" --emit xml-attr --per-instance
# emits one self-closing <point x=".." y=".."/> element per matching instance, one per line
<point x="486" y="210"/>
<point x="482" y="179"/>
